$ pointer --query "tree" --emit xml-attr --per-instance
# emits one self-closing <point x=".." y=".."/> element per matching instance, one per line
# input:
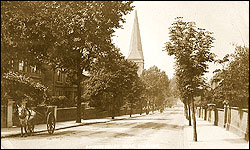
<point x="157" y="86"/>
<point x="191" y="47"/>
<point x="64" y="34"/>
<point x="135" y="95"/>
<point x="233" y="78"/>
<point x="26" y="34"/>
<point x="20" y="87"/>
<point x="111" y="82"/>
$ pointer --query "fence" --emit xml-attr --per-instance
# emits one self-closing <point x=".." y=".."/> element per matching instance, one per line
<point x="9" y="116"/>
<point x="67" y="114"/>
<point x="232" y="118"/>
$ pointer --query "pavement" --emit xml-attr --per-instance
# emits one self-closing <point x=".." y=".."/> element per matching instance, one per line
<point x="16" y="131"/>
<point x="210" y="136"/>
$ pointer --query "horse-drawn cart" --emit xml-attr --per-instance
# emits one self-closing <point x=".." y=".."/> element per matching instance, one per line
<point x="49" y="114"/>
<point x="38" y="115"/>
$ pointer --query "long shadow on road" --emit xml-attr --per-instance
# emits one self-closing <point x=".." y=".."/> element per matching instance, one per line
<point x="154" y="125"/>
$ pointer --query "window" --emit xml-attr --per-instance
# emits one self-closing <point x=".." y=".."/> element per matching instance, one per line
<point x="21" y="64"/>
<point x="59" y="75"/>
<point x="25" y="67"/>
<point x="33" y="69"/>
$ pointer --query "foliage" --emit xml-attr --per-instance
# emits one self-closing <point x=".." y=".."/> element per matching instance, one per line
<point x="190" y="46"/>
<point x="173" y="88"/>
<point x="23" y="34"/>
<point x="21" y="87"/>
<point x="63" y="34"/>
<point x="233" y="78"/>
<point x="111" y="81"/>
<point x="61" y="101"/>
<point x="157" y="86"/>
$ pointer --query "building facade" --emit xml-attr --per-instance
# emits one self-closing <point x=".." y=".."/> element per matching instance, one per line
<point x="55" y="80"/>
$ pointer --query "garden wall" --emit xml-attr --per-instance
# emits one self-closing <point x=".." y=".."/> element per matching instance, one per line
<point x="236" y="119"/>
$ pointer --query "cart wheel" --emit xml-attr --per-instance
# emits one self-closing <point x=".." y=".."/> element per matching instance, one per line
<point x="51" y="123"/>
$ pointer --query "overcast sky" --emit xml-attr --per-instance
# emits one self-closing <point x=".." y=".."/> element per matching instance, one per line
<point x="229" y="20"/>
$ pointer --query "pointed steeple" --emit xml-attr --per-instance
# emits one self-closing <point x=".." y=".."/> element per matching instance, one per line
<point x="135" y="49"/>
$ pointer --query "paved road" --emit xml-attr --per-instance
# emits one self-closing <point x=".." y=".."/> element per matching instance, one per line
<point x="158" y="130"/>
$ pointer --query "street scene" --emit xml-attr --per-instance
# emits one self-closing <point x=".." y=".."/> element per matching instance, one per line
<point x="159" y="130"/>
<point x="124" y="74"/>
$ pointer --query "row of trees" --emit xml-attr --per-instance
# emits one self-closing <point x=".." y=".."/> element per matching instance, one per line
<point x="114" y="84"/>
<point x="76" y="37"/>
<point x="61" y="34"/>
<point x="191" y="47"/>
<point x="232" y="81"/>
<point x="156" y="88"/>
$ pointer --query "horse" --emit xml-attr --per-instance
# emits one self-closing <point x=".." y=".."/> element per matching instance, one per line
<point x="26" y="118"/>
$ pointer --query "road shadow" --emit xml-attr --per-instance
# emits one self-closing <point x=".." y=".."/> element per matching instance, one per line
<point x="117" y="135"/>
<point x="154" y="125"/>
<point x="149" y="119"/>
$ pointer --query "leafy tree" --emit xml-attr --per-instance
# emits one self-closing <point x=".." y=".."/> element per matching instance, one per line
<point x="135" y="95"/>
<point x="25" y="36"/>
<point x="21" y="87"/>
<point x="112" y="79"/>
<point x="157" y="87"/>
<point x="173" y="88"/>
<point x="63" y="34"/>
<point x="191" y="47"/>
<point x="233" y="78"/>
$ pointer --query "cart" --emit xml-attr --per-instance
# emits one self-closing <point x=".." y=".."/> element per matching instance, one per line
<point x="48" y="115"/>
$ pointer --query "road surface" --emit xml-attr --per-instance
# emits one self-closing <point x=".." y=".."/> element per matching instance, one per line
<point x="158" y="130"/>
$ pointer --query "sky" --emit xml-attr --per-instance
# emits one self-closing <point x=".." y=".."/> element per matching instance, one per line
<point x="228" y="20"/>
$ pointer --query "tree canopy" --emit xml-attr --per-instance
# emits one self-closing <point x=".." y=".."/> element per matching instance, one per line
<point x="157" y="86"/>
<point x="233" y="78"/>
<point x="111" y="81"/>
<point x="20" y="87"/>
<point x="64" y="34"/>
<point x="191" y="47"/>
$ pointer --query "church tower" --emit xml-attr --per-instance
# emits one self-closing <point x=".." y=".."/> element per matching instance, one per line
<point x="135" y="49"/>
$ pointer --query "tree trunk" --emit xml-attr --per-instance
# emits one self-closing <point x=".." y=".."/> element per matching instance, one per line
<point x="112" y="112"/>
<point x="205" y="116"/>
<point x="247" y="130"/>
<point x="78" y="109"/>
<point x="194" y="121"/>
<point x="131" y="109"/>
<point x="189" y="114"/>
<point x="153" y="105"/>
<point x="141" y="107"/>
<point x="186" y="110"/>
<point x="112" y="109"/>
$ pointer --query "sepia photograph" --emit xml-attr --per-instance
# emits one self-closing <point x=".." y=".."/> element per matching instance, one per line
<point x="124" y="74"/>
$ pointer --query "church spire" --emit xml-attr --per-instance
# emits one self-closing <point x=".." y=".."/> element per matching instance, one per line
<point x="135" y="49"/>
